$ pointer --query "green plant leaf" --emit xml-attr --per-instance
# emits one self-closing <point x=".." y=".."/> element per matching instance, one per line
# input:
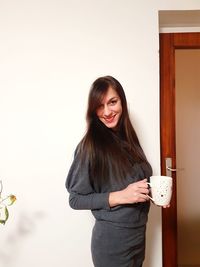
<point x="4" y="214"/>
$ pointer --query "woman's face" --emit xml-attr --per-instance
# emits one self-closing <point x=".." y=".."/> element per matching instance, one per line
<point x="110" y="109"/>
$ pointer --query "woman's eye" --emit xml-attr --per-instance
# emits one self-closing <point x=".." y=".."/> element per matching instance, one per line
<point x="113" y="102"/>
<point x="100" y="107"/>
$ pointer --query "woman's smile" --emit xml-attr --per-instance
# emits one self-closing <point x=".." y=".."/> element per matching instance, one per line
<point x="109" y="119"/>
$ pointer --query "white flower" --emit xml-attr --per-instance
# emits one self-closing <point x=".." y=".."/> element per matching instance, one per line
<point x="8" y="201"/>
<point x="4" y="203"/>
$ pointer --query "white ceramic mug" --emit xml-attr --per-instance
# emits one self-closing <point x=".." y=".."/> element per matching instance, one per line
<point x="161" y="189"/>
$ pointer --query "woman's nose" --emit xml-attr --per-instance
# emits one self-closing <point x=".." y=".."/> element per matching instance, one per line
<point x="107" y="110"/>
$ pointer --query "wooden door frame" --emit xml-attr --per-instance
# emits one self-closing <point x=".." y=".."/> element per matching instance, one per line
<point x="169" y="42"/>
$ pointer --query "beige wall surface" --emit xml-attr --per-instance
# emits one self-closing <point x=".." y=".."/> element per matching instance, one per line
<point x="50" y="53"/>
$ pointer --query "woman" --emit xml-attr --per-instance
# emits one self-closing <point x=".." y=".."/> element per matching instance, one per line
<point x="109" y="177"/>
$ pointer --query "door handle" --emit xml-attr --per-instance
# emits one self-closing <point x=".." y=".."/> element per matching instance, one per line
<point x="169" y="169"/>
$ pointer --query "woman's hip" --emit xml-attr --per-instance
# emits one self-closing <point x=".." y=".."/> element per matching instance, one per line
<point x="112" y="244"/>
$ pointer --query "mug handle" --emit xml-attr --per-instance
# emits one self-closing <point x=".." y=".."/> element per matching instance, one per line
<point x="148" y="195"/>
<point x="150" y="198"/>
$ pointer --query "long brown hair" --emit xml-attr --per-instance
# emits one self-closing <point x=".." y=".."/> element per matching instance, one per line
<point x="109" y="150"/>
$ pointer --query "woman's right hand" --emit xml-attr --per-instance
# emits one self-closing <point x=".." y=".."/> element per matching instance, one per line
<point x="133" y="193"/>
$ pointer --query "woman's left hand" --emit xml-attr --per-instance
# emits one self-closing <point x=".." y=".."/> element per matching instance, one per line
<point x="166" y="206"/>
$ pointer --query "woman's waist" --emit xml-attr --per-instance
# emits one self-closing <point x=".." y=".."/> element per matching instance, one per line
<point x="127" y="215"/>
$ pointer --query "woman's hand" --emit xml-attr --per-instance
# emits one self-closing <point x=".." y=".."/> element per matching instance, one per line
<point x="133" y="193"/>
<point x="166" y="206"/>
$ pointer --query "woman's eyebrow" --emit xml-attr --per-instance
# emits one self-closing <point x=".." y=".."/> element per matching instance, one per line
<point x="113" y="98"/>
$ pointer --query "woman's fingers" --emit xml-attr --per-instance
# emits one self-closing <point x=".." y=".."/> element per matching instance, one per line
<point x="166" y="206"/>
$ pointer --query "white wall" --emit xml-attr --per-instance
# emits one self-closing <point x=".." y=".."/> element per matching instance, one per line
<point x="50" y="53"/>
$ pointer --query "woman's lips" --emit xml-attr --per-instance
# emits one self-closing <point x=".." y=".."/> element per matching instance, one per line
<point x="110" y="119"/>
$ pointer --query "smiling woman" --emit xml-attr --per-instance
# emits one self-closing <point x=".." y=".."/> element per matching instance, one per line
<point x="109" y="176"/>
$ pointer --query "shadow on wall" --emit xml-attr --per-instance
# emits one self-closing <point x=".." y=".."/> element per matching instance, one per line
<point x="25" y="226"/>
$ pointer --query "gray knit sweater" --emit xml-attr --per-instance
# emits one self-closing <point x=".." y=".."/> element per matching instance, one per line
<point x="83" y="195"/>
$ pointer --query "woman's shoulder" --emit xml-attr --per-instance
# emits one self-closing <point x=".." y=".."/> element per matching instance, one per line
<point x="81" y="154"/>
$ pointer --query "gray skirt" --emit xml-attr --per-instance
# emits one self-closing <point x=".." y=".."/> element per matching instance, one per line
<point x="116" y="246"/>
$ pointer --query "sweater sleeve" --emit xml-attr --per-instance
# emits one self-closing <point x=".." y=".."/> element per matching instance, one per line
<point x="81" y="193"/>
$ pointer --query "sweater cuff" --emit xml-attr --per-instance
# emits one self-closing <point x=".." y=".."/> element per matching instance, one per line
<point x="101" y="201"/>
